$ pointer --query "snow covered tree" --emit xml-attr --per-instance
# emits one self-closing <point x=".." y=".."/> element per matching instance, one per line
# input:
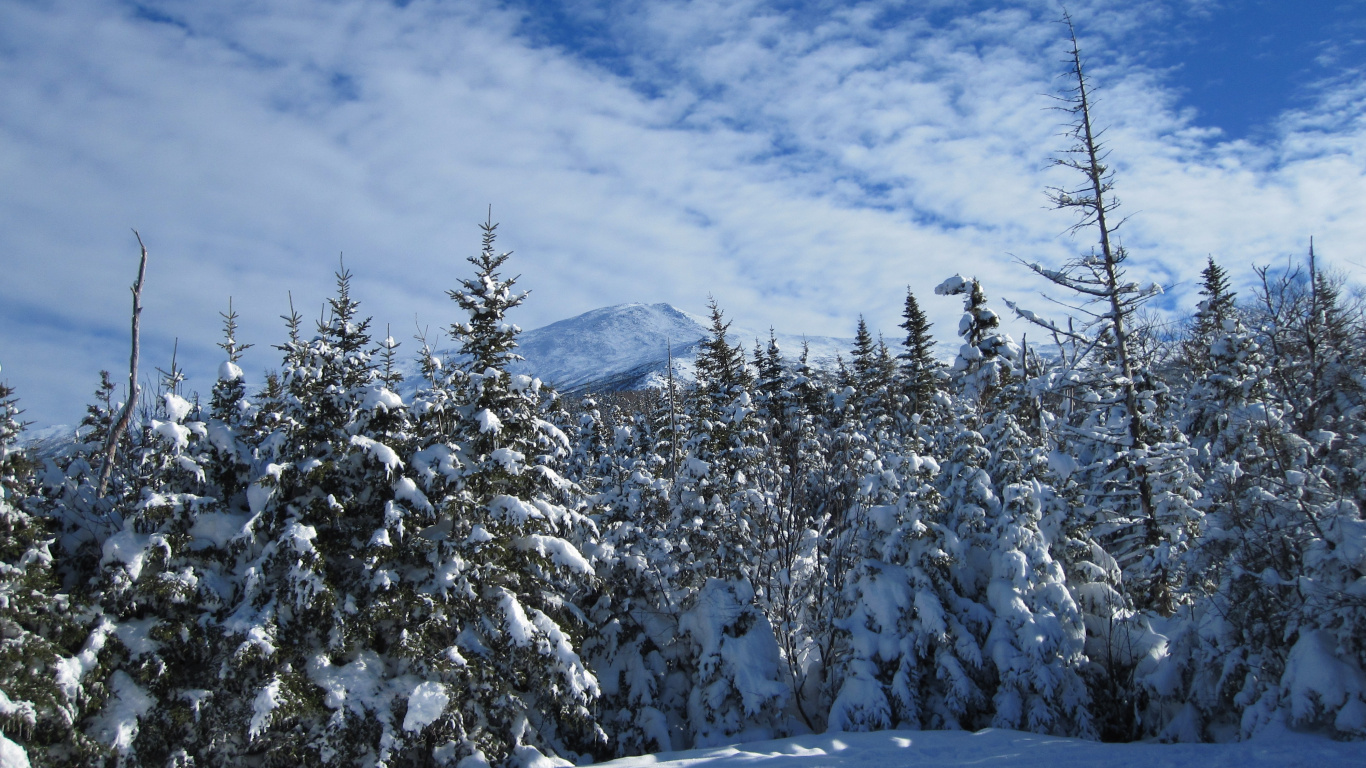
<point x="318" y="662"/>
<point x="1219" y="305"/>
<point x="636" y="652"/>
<point x="995" y="485"/>
<point x="1277" y="562"/>
<point x="914" y="630"/>
<point x="507" y="568"/>
<point x="788" y="579"/>
<point x="1139" y="485"/>
<point x="1037" y="638"/>
<point x="987" y="358"/>
<point x="47" y="684"/>
<point x="737" y="686"/>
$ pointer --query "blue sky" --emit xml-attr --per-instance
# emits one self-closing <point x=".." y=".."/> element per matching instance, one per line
<point x="802" y="162"/>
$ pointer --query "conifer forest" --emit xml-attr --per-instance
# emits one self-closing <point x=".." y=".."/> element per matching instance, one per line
<point x="1128" y="532"/>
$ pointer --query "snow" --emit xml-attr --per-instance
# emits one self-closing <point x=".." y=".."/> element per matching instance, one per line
<point x="69" y="671"/>
<point x="993" y="748"/>
<point x="488" y="422"/>
<point x="382" y="453"/>
<point x="12" y="711"/>
<point x="518" y="625"/>
<point x="117" y="723"/>
<point x="127" y="547"/>
<point x="559" y="551"/>
<point x="300" y="537"/>
<point x="1316" y="681"/>
<point x="177" y="407"/>
<point x="952" y="286"/>
<point x="425" y="704"/>
<point x="260" y="492"/>
<point x="176" y="434"/>
<point x="217" y="528"/>
<point x="381" y="398"/>
<point x="530" y="757"/>
<point x="511" y="460"/>
<point x="12" y="755"/>
<point x="229" y="371"/>
<point x="267" y="699"/>
<point x="357" y="686"/>
<point x="1062" y="464"/>
<point x="514" y="510"/>
<point x="136" y="636"/>
<point x="406" y="490"/>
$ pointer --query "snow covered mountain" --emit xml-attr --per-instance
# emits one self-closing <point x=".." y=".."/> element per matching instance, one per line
<point x="626" y="347"/>
<point x="623" y="347"/>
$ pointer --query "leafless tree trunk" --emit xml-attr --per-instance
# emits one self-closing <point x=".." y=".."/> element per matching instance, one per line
<point x="112" y="442"/>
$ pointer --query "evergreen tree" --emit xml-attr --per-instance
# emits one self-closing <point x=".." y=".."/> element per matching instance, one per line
<point x="320" y="654"/>
<point x="737" y="686"/>
<point x="1218" y="306"/>
<point x="47" y="686"/>
<point x="1273" y="594"/>
<point x="635" y="652"/>
<point x="919" y="366"/>
<point x="507" y="567"/>
<point x="1140" y="487"/>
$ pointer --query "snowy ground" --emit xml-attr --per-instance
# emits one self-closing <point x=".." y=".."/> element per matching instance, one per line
<point x="1007" y="749"/>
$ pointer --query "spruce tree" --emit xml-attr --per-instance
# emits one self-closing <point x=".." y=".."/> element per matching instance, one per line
<point x="737" y="686"/>
<point x="508" y="569"/>
<point x="920" y="369"/>
<point x="319" y="660"/>
<point x="1141" y="490"/>
<point x="46" y="687"/>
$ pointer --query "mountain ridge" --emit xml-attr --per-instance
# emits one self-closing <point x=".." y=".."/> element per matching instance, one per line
<point x="628" y="346"/>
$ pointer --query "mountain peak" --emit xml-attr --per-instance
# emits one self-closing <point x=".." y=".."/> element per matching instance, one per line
<point x="627" y="346"/>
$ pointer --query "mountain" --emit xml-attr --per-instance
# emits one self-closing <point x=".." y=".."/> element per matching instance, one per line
<point x="611" y="349"/>
<point x="626" y="347"/>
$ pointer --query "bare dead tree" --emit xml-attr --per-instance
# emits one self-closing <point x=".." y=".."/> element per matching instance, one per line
<point x="125" y="416"/>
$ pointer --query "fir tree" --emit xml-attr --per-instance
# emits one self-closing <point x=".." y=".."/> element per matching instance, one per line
<point x="1141" y="488"/>
<point x="45" y="692"/>
<point x="508" y="568"/>
<point x="920" y="369"/>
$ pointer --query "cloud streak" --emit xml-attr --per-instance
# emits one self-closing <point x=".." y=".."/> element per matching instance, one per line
<point x="802" y="164"/>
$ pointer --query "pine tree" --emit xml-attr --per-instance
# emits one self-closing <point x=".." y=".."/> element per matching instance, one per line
<point x="1275" y="525"/>
<point x="1140" y="486"/>
<point x="230" y="424"/>
<point x="720" y="455"/>
<point x="507" y="564"/>
<point x="158" y="585"/>
<point x="920" y="369"/>
<point x="46" y="687"/>
<point x="994" y="487"/>
<point x="716" y="517"/>
<point x="636" y="652"/>
<point x="1219" y="303"/>
<point x="319" y="658"/>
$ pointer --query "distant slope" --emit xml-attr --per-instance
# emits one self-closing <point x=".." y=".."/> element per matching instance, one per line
<point x="626" y="347"/>
<point x="612" y="348"/>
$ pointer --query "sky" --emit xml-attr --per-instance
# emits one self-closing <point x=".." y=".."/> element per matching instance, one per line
<point x="803" y="163"/>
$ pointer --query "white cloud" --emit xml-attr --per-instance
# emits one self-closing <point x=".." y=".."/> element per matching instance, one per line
<point x="802" y="166"/>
